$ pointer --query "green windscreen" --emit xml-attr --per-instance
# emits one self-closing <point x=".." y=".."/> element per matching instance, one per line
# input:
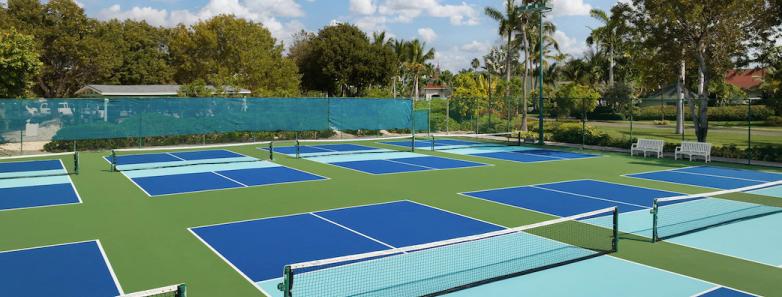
<point x="79" y="119"/>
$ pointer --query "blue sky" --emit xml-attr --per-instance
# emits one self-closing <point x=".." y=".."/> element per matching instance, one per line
<point x="457" y="29"/>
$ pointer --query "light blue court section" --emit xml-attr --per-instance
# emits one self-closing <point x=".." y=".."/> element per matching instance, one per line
<point x="393" y="162"/>
<point x="580" y="196"/>
<point x="332" y="233"/>
<point x="755" y="239"/>
<point x="772" y="191"/>
<point x="517" y="153"/>
<point x="199" y="178"/>
<point x="23" y="187"/>
<point x="711" y="177"/>
<point x="603" y="276"/>
<point x="734" y="173"/>
<point x="325" y="149"/>
<point x="69" y="270"/>
<point x="142" y="161"/>
<point x="209" y="171"/>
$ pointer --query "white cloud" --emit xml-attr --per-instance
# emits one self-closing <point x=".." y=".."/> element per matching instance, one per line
<point x="372" y="23"/>
<point x="364" y="7"/>
<point x="427" y="34"/>
<point x="459" y="57"/>
<point x="570" y="7"/>
<point x="263" y="11"/>
<point x="476" y="47"/>
<point x="407" y="10"/>
<point x="569" y="45"/>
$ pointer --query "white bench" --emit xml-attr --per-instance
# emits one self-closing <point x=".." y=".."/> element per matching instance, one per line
<point x="691" y="149"/>
<point x="648" y="146"/>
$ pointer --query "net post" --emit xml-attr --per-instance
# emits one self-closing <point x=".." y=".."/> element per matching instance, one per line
<point x="655" y="208"/>
<point x="113" y="160"/>
<point x="287" y="282"/>
<point x="271" y="150"/>
<point x="298" y="149"/>
<point x="76" y="162"/>
<point x="615" y="241"/>
<point x="432" y="142"/>
<point x="181" y="290"/>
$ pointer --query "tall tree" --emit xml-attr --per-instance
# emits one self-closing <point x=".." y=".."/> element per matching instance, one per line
<point x="715" y="32"/>
<point x="144" y="52"/>
<point x="415" y="60"/>
<point x="230" y="51"/>
<point x="529" y="44"/>
<point x="508" y="23"/>
<point x="71" y="48"/>
<point x="344" y="62"/>
<point x="19" y="63"/>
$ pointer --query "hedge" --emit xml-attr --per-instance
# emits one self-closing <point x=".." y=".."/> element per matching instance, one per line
<point x="721" y="113"/>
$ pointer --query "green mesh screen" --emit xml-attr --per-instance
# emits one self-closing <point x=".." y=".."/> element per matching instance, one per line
<point x="78" y="119"/>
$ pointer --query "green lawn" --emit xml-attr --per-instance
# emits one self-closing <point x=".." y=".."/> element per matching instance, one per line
<point x="148" y="245"/>
<point x="720" y="133"/>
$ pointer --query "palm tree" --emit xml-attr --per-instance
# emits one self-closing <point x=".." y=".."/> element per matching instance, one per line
<point x="509" y="21"/>
<point x="605" y="38"/>
<point x="475" y="63"/>
<point x="415" y="58"/>
<point x="529" y="44"/>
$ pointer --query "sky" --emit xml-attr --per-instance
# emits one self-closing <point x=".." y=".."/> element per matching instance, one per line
<point x="458" y="30"/>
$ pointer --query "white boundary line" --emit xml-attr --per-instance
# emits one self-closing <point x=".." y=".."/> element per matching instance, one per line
<point x="100" y="249"/>
<point x="353" y="231"/>
<point x="111" y="269"/>
<point x="322" y="178"/>
<point x="211" y="248"/>
<point x="591" y="156"/>
<point x="590" y="197"/>
<point x="663" y="181"/>
<point x="253" y="283"/>
<point x="466" y="194"/>
<point x="728" y="177"/>
<point x="229" y="179"/>
<point x="405" y="172"/>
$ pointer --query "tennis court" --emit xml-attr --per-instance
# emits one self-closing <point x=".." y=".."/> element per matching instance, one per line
<point x="371" y="160"/>
<point x="711" y="177"/>
<point x="37" y="183"/>
<point x="393" y="234"/>
<point x="169" y="173"/>
<point x="493" y="146"/>
<point x="71" y="269"/>
<point x="732" y="228"/>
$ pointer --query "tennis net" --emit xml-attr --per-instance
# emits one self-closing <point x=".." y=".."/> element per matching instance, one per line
<point x="330" y="147"/>
<point x="439" y="268"/>
<point x="181" y="156"/>
<point x="442" y="142"/>
<point x="680" y="215"/>
<point x="169" y="291"/>
<point x="39" y="165"/>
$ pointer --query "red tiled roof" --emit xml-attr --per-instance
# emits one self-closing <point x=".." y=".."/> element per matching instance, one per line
<point x="434" y="86"/>
<point x="745" y="79"/>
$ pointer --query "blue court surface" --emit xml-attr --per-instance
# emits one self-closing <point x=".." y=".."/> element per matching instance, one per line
<point x="374" y="160"/>
<point x="67" y="270"/>
<point x="259" y="249"/>
<point x="508" y="153"/>
<point x="711" y="177"/>
<point x="23" y="186"/>
<point x="199" y="171"/>
<point x="754" y="239"/>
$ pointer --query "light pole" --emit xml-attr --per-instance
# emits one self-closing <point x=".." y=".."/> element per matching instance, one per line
<point x="541" y="7"/>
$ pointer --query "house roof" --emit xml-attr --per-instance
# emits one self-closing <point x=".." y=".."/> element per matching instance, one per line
<point x="435" y="87"/>
<point x="142" y="90"/>
<point x="746" y="79"/>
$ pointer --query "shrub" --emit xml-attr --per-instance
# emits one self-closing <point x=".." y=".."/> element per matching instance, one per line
<point x="775" y="121"/>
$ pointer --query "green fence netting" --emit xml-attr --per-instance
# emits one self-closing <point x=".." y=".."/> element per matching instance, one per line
<point x="80" y="119"/>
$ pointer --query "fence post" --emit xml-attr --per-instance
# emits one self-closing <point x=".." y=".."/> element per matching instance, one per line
<point x="583" y="122"/>
<point x="749" y="131"/>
